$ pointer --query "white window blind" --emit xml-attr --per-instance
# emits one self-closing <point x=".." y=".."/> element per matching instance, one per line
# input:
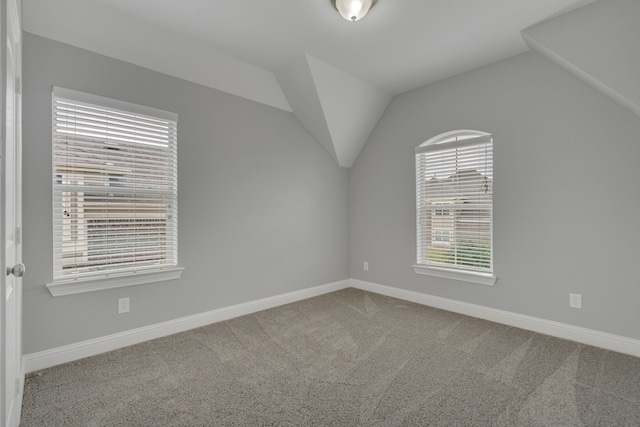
<point x="114" y="187"/>
<point x="454" y="203"/>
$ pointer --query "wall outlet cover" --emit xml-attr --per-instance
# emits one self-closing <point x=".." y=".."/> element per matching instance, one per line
<point x="575" y="300"/>
<point x="123" y="305"/>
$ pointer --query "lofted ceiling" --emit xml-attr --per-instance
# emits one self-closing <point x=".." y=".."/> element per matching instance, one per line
<point x="300" y="55"/>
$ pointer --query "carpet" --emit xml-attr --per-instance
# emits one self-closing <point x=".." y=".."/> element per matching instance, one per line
<point x="348" y="358"/>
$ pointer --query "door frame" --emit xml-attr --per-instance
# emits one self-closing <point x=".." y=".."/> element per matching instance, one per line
<point x="11" y="33"/>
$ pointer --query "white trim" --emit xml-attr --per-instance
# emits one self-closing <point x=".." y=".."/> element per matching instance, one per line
<point x="72" y="287"/>
<point x="20" y="394"/>
<point x="446" y="135"/>
<point x="463" y="275"/>
<point x="47" y="358"/>
<point x="592" y="337"/>
<point x="71" y="352"/>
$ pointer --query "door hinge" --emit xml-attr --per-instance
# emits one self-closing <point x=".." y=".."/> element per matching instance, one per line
<point x="18" y="387"/>
<point x="18" y="86"/>
<point x="19" y="235"/>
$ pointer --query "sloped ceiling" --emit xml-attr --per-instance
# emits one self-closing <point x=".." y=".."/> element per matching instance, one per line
<point x="92" y="26"/>
<point x="598" y="43"/>
<point x="338" y="109"/>
<point x="337" y="77"/>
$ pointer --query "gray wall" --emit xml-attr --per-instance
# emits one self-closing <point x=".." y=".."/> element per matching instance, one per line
<point x="263" y="209"/>
<point x="566" y="193"/>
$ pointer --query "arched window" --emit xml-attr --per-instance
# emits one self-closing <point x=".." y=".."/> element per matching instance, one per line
<point x="454" y="206"/>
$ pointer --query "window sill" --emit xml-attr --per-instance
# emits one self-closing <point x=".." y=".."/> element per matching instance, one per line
<point x="71" y="287"/>
<point x="465" y="276"/>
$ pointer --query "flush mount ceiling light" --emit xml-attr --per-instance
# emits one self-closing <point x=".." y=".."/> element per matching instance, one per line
<point x="353" y="10"/>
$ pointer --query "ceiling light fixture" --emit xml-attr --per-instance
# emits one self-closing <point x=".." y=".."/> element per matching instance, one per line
<point x="353" y="10"/>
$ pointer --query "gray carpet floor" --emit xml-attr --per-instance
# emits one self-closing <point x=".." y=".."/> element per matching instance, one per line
<point x="349" y="358"/>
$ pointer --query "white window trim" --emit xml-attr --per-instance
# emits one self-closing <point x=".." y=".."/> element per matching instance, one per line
<point x="462" y="275"/>
<point x="482" y="278"/>
<point x="79" y="286"/>
<point x="117" y="279"/>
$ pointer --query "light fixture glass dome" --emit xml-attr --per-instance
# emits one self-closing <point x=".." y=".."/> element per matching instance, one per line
<point x="353" y="10"/>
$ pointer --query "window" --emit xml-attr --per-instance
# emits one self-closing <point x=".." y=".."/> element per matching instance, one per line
<point x="114" y="193"/>
<point x="441" y="236"/>
<point x="443" y="211"/>
<point x="454" y="206"/>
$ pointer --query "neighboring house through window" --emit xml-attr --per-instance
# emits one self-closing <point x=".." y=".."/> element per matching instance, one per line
<point x="114" y="193"/>
<point x="454" y="206"/>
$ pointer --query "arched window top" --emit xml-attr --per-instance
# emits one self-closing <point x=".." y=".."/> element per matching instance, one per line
<point x="452" y="136"/>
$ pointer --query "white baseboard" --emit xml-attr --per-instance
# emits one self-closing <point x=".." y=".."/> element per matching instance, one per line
<point x="68" y="353"/>
<point x="556" y="329"/>
<point x="56" y="356"/>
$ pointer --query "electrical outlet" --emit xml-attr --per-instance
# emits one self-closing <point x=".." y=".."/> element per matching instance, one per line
<point x="575" y="300"/>
<point x="365" y="265"/>
<point x="123" y="305"/>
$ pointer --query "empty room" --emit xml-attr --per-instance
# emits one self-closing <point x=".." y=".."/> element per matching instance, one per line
<point x="320" y="212"/>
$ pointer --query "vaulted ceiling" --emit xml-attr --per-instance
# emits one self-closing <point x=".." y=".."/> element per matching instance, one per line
<point x="337" y="77"/>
